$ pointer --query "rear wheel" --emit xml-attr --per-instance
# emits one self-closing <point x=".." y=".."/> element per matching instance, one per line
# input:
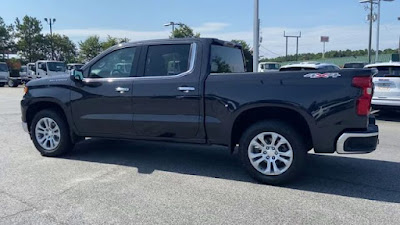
<point x="50" y="133"/>
<point x="12" y="83"/>
<point x="272" y="152"/>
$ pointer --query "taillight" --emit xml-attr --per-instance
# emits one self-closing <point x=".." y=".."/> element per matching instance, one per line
<point x="364" y="101"/>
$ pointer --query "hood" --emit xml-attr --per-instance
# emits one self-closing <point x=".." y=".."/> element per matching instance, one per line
<point x="63" y="79"/>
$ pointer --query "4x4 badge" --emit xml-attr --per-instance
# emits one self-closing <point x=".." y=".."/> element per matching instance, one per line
<point x="322" y="75"/>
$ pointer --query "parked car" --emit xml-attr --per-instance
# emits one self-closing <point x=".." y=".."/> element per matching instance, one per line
<point x="354" y="65"/>
<point x="23" y="73"/>
<point x="268" y="66"/>
<point x="31" y="70"/>
<point x="387" y="85"/>
<point x="272" y="118"/>
<point x="309" y="66"/>
<point x="45" y="68"/>
<point x="4" y="73"/>
<point x="73" y="66"/>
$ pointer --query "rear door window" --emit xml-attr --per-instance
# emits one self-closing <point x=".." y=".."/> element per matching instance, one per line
<point x="167" y="60"/>
<point x="226" y="60"/>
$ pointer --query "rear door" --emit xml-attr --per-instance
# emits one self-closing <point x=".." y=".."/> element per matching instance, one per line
<point x="387" y="82"/>
<point x="166" y="97"/>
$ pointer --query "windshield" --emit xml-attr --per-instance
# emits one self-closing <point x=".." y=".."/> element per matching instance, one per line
<point x="23" y="69"/>
<point x="3" y="67"/>
<point x="388" y="71"/>
<point x="56" y="66"/>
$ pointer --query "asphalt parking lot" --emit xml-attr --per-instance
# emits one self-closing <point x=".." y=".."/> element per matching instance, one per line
<point x="121" y="182"/>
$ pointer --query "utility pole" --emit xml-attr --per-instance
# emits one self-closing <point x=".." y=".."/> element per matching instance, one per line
<point x="398" y="18"/>
<point x="287" y="43"/>
<point x="371" y="20"/>
<point x="172" y="24"/>
<point x="256" y="36"/>
<point x="51" y="21"/>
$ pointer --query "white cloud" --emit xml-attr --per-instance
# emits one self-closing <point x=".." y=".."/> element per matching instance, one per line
<point x="341" y="37"/>
<point x="210" y="27"/>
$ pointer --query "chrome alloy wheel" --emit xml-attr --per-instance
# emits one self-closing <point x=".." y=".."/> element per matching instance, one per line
<point x="270" y="153"/>
<point x="47" y="134"/>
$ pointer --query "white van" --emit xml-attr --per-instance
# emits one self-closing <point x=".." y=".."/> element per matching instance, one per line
<point x="74" y="66"/>
<point x="387" y="85"/>
<point x="49" y="68"/>
<point x="4" y="74"/>
<point x="268" y="66"/>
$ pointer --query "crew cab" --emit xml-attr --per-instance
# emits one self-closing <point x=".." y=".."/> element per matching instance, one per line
<point x="196" y="91"/>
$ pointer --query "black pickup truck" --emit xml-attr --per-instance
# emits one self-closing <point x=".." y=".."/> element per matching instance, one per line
<point x="197" y="91"/>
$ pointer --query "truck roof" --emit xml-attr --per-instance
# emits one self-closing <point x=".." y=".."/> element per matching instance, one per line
<point x="159" y="41"/>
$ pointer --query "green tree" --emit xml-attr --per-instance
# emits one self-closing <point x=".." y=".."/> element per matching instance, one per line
<point x="184" y="31"/>
<point x="6" y="38"/>
<point x="30" y="40"/>
<point x="111" y="41"/>
<point x="248" y="54"/>
<point x="64" y="48"/>
<point x="90" y="48"/>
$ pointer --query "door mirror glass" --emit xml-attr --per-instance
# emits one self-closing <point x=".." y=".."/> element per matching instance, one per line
<point x="77" y="75"/>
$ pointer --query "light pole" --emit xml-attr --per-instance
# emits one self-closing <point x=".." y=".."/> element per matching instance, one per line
<point x="378" y="27"/>
<point x="51" y="21"/>
<point x="256" y="36"/>
<point x="173" y="24"/>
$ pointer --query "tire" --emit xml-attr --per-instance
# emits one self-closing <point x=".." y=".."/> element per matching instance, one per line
<point x="12" y="83"/>
<point x="288" y="153"/>
<point x="2" y="84"/>
<point x="44" y="124"/>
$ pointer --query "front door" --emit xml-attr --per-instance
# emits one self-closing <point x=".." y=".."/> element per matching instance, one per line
<point x="101" y="104"/>
<point x="166" y="97"/>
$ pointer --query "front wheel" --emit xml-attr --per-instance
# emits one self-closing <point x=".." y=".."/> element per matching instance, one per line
<point x="50" y="133"/>
<point x="272" y="152"/>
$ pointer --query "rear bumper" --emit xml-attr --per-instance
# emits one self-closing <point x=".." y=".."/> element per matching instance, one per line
<point x="377" y="102"/>
<point x="357" y="142"/>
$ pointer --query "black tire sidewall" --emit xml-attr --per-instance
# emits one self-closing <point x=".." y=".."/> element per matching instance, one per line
<point x="65" y="141"/>
<point x="295" y="140"/>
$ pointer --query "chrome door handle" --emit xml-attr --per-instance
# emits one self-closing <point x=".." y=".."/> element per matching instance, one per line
<point x="186" y="89"/>
<point x="121" y="90"/>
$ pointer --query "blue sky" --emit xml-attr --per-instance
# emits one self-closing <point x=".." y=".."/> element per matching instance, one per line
<point x="342" y="20"/>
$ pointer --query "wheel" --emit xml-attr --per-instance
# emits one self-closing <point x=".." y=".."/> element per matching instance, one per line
<point x="2" y="84"/>
<point x="50" y="133"/>
<point x="12" y="83"/>
<point x="272" y="152"/>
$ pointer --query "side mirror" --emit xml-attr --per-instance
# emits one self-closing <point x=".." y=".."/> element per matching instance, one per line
<point x="77" y="75"/>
